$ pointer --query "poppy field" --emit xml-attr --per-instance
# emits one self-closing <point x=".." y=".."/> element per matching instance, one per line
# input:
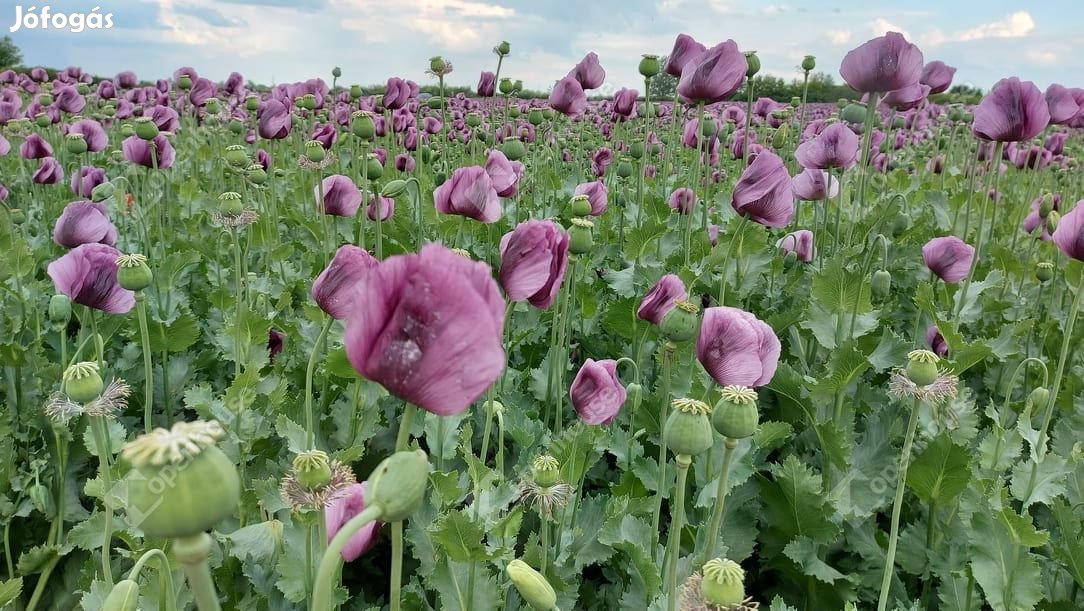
<point x="320" y="346"/>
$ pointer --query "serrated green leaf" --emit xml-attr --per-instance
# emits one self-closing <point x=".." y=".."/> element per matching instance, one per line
<point x="632" y="536"/>
<point x="940" y="472"/>
<point x="256" y="542"/>
<point x="794" y="503"/>
<point x="1002" y="566"/>
<point x="34" y="559"/>
<point x="460" y="538"/>
<point x="807" y="555"/>
<point x="1039" y="482"/>
<point x="177" y="336"/>
<point x="840" y="291"/>
<point x="10" y="590"/>
<point x="1069" y="547"/>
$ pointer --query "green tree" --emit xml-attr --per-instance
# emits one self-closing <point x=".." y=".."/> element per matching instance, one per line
<point x="10" y="55"/>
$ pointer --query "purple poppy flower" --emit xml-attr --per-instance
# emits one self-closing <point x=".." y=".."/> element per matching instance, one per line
<point x="264" y="159"/>
<point x="597" y="393"/>
<point x="764" y="192"/>
<point x="625" y="102"/>
<point x="487" y="84"/>
<point x="949" y="258"/>
<point x="815" y="185"/>
<point x="343" y="507"/>
<point x="84" y="222"/>
<point x="662" y="298"/>
<point x="341" y="196"/>
<point x="126" y="79"/>
<point x="428" y="327"/>
<point x="883" y="64"/>
<point x="276" y="341"/>
<point x="907" y="98"/>
<point x="202" y="90"/>
<point x="35" y="147"/>
<point x="386" y="206"/>
<point x="713" y="235"/>
<point x="714" y="75"/>
<point x="597" y="195"/>
<point x="1061" y="104"/>
<point x="333" y="288"/>
<point x="325" y="134"/>
<point x="92" y="132"/>
<point x="404" y="163"/>
<point x="534" y="256"/>
<point x="503" y="173"/>
<point x="568" y="97"/>
<point x="87" y="274"/>
<point x="149" y="153"/>
<point x="589" y="72"/>
<point x="274" y="120"/>
<point x="69" y="100"/>
<point x="682" y="200"/>
<point x="936" y="342"/>
<point x="397" y="93"/>
<point x="800" y="243"/>
<point x="165" y="118"/>
<point x="600" y="160"/>
<point x="49" y="172"/>
<point x="86" y="179"/>
<point x="1013" y="111"/>
<point x="835" y="147"/>
<point x="938" y="76"/>
<point x="5" y="146"/>
<point x="737" y="348"/>
<point x="469" y="192"/>
<point x="685" y="50"/>
<point x="1069" y="235"/>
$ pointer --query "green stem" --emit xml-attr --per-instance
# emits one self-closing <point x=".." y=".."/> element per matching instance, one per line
<point x="401" y="442"/>
<point x="667" y="366"/>
<point x="100" y="431"/>
<point x="165" y="575"/>
<point x="148" y="369"/>
<point x="720" y="502"/>
<point x="545" y="544"/>
<point x="897" y="505"/>
<point x="676" y="524"/>
<point x="192" y="552"/>
<point x="994" y="167"/>
<point x="1063" y="360"/>
<point x="310" y="430"/>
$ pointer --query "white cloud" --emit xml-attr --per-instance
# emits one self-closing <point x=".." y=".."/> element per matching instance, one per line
<point x="839" y="37"/>
<point x="881" y="26"/>
<point x="1043" y="57"/>
<point x="1015" y="25"/>
<point x="451" y="24"/>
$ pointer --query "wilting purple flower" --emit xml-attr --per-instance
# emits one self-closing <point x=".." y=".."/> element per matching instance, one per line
<point x="1061" y="104"/>
<point x="70" y="101"/>
<point x="85" y="179"/>
<point x="405" y="163"/>
<point x="764" y="192"/>
<point x="469" y="192"/>
<point x="332" y="290"/>
<point x="1069" y="235"/>
<point x="815" y="185"/>
<point x="35" y="147"/>
<point x="487" y="84"/>
<point x="936" y="342"/>
<point x="3" y="193"/>
<point x="713" y="235"/>
<point x="936" y="164"/>
<point x="341" y="196"/>
<point x="147" y="154"/>
<point x="503" y="173"/>
<point x="5" y="146"/>
<point x="126" y="79"/>
<point x="682" y="199"/>
<point x="883" y="64"/>
<point x="597" y="194"/>
<point x="428" y="327"/>
<point x="276" y="341"/>
<point x="325" y="134"/>
<point x="949" y="258"/>
<point x="800" y="243"/>
<point x="396" y="93"/>
<point x="49" y="172"/>
<point x="385" y="204"/>
<point x="938" y="75"/>
<point x="600" y="160"/>
<point x="568" y="97"/>
<point x="625" y="102"/>
<point x="835" y="147"/>
<point x="597" y="393"/>
<point x="165" y="118"/>
<point x="264" y="159"/>
<point x="107" y="90"/>
<point x="1012" y="111"/>
<point x="1055" y="142"/>
<point x="343" y="507"/>
<point x="685" y="49"/>
<point x="589" y="72"/>
<point x="92" y="132"/>
<point x="737" y="348"/>
<point x="662" y="298"/>
<point x="84" y="222"/>
<point x="534" y="256"/>
<point x="907" y="98"/>
<point x="714" y="75"/>
<point x="87" y="274"/>
<point x="202" y="90"/>
<point x="273" y="120"/>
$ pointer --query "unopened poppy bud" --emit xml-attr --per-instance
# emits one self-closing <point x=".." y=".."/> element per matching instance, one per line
<point x="809" y="63"/>
<point x="681" y="323"/>
<point x="133" y="273"/>
<point x="901" y="223"/>
<point x="1044" y="271"/>
<point x="398" y="484"/>
<point x="723" y="583"/>
<point x="237" y="156"/>
<point x="514" y="149"/>
<point x="434" y="102"/>
<point x="753" y="63"/>
<point x="236" y="127"/>
<point x="533" y="587"/>
<point x="580" y="236"/>
<point x="1052" y="221"/>
<point x="473" y="120"/>
<point x="880" y="285"/>
<point x="534" y="117"/>
<point x="145" y="128"/>
<point x="437" y="64"/>
<point x="102" y="192"/>
<point x="503" y="48"/>
<point x="314" y="151"/>
<point x="649" y="66"/>
<point x="1047" y="206"/>
<point x="439" y="178"/>
<point x="513" y="112"/>
<point x="336" y="72"/>
<point x="636" y="150"/>
<point x="581" y="205"/>
<point x="256" y="174"/>
<point x="312" y="469"/>
<point x="1039" y="397"/>
<point x="688" y="429"/>
<point x="922" y="367"/>
<point x="362" y="125"/>
<point x="185" y="82"/>
<point x="252" y="103"/>
<point x="75" y="144"/>
<point x="853" y="113"/>
<point x="549" y="113"/>
<point x="546" y="471"/>
<point x="60" y="309"/>
<point x="780" y="136"/>
<point x="356" y="92"/>
<point x="212" y="106"/>
<point x="308" y="101"/>
<point x="635" y="395"/>
<point x="506" y="86"/>
<point x="624" y="168"/>
<point x="394" y="188"/>
<point x="45" y="99"/>
<point x="82" y="382"/>
<point x="123" y="597"/>
<point x="230" y="203"/>
<point x="109" y="110"/>
<point x="373" y="167"/>
<point x="735" y="415"/>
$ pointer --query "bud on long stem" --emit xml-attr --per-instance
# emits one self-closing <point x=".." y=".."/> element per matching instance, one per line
<point x="332" y="559"/>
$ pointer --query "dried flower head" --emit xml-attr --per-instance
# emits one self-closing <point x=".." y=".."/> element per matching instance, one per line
<point x="184" y="441"/>
<point x="300" y="498"/>
<point x="586" y="224"/>
<point x="545" y="499"/>
<point x="78" y="371"/>
<point x="942" y="388"/>
<point x="113" y="400"/>
<point x="692" y="597"/>
<point x="132" y="260"/>
<point x="687" y="306"/>
<point x="691" y="406"/>
<point x="305" y="163"/>
<point x="235" y="221"/>
<point x="740" y="395"/>
<point x="462" y="252"/>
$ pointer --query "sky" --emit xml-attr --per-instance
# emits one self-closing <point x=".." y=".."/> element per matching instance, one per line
<point x="274" y="41"/>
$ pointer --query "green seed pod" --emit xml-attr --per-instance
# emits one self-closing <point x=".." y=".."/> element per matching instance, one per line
<point x="624" y="168"/>
<point x="375" y="169"/>
<point x="533" y="587"/>
<point x="123" y="597"/>
<point x="181" y="484"/>
<point x="681" y="323"/>
<point x="503" y="48"/>
<point x="809" y="63"/>
<point x="581" y="240"/>
<point x="312" y="469"/>
<point x="133" y="273"/>
<point x="394" y="188"/>
<point x="336" y="72"/>
<point x="688" y="429"/>
<point x="735" y="415"/>
<point x="753" y="63"/>
<point x="212" y="106"/>
<point x="252" y="103"/>
<point x="60" y="309"/>
<point x="636" y="150"/>
<point x="1047" y="206"/>
<point x="581" y="205"/>
<point x="437" y="65"/>
<point x="18" y="217"/>
<point x="707" y="126"/>
<point x="1039" y="397"/>
<point x="109" y="110"/>
<point x="45" y="99"/>
<point x="230" y="203"/>
<point x="795" y="101"/>
<point x="362" y="125"/>
<point x="145" y="128"/>
<point x="922" y="367"/>
<point x="356" y="92"/>
<point x="308" y="101"/>
<point x="514" y="149"/>
<point x="398" y="484"/>
<point x="549" y="113"/>
<point x="723" y="583"/>
<point x="513" y="112"/>
<point x="256" y="174"/>
<point x="236" y="127"/>
<point x="83" y="382"/>
<point x="237" y="156"/>
<point x="880" y="285"/>
<point x="434" y="102"/>
<point x="1052" y="221"/>
<point x="853" y="113"/>
<point x="314" y="151"/>
<point x="517" y="86"/>
<point x="473" y="120"/>
<point x="506" y="86"/>
<point x="546" y="471"/>
<point x="649" y="66"/>
<point x="75" y="144"/>
<point x="534" y="117"/>
<point x="1044" y="271"/>
<point x="43" y="120"/>
<point x="185" y="82"/>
